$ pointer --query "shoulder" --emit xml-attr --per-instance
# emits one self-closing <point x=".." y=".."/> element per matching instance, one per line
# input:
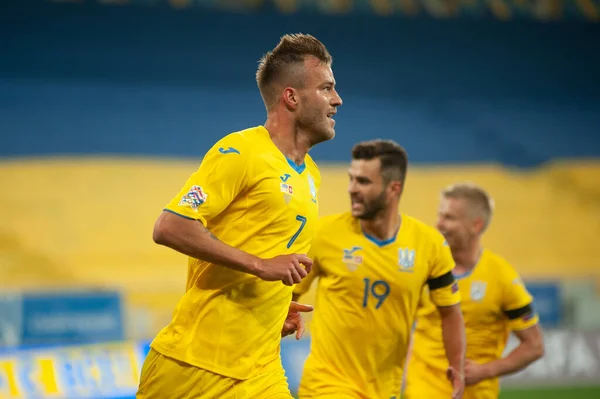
<point x="234" y="151"/>
<point x="422" y="230"/>
<point x="334" y="231"/>
<point x="336" y="221"/>
<point x="237" y="143"/>
<point x="503" y="271"/>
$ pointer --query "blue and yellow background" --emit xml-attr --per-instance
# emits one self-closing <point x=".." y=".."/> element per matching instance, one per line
<point x="106" y="107"/>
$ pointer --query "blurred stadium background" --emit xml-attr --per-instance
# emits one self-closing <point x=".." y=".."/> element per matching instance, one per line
<point x="107" y="106"/>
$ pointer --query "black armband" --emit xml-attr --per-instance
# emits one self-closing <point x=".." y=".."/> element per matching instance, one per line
<point x="442" y="281"/>
<point x="516" y="313"/>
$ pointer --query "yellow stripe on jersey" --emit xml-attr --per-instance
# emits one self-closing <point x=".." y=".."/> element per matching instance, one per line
<point x="250" y="197"/>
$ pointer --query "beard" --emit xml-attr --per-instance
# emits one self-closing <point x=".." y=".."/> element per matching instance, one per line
<point x="317" y="123"/>
<point x="373" y="207"/>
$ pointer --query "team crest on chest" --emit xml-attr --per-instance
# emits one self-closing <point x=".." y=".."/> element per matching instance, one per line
<point x="478" y="290"/>
<point x="352" y="260"/>
<point x="406" y="260"/>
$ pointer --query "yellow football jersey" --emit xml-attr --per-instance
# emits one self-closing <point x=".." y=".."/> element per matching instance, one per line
<point x="250" y="196"/>
<point x="367" y="296"/>
<point x="494" y="302"/>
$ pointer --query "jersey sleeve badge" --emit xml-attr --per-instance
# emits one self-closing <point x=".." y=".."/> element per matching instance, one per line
<point x="194" y="198"/>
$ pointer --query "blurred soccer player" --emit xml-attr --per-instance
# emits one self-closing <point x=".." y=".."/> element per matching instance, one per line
<point x="245" y="219"/>
<point x="494" y="302"/>
<point x="372" y="264"/>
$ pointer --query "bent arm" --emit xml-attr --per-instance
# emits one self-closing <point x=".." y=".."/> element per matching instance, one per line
<point x="192" y="238"/>
<point x="530" y="349"/>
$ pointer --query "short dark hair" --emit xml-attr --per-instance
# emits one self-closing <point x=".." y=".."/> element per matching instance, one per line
<point x="393" y="157"/>
<point x="291" y="50"/>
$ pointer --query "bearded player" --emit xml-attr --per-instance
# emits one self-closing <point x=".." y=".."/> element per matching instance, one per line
<point x="372" y="264"/>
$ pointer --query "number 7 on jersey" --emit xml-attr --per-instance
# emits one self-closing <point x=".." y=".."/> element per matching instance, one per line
<point x="302" y="221"/>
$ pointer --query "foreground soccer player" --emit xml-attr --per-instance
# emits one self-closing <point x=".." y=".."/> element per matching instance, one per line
<point x="245" y="219"/>
<point x="494" y="302"/>
<point x="372" y="264"/>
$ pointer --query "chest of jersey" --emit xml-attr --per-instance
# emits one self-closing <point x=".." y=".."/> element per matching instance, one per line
<point x="481" y="302"/>
<point x="381" y="278"/>
<point x="284" y="198"/>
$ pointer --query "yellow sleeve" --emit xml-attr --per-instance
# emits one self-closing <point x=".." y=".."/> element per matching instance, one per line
<point x="222" y="175"/>
<point x="517" y="302"/>
<point x="443" y="289"/>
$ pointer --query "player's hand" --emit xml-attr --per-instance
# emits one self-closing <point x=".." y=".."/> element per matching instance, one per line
<point x="290" y="269"/>
<point x="475" y="372"/>
<point x="458" y="382"/>
<point x="294" y="322"/>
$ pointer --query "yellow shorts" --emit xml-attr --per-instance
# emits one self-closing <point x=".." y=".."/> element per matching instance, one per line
<point x="424" y="391"/>
<point x="424" y="382"/>
<point x="325" y="391"/>
<point x="330" y="396"/>
<point x="163" y="377"/>
<point x="319" y="384"/>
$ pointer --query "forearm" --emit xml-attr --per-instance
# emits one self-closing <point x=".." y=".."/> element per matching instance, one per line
<point x="193" y="239"/>
<point x="522" y="356"/>
<point x="453" y="334"/>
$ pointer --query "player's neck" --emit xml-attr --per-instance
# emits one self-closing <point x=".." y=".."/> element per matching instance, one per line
<point x="382" y="227"/>
<point x="292" y="143"/>
<point x="467" y="258"/>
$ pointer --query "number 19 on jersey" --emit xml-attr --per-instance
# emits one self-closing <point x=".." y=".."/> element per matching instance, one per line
<point x="377" y="289"/>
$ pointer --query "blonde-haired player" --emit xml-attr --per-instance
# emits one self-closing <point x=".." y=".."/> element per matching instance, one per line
<point x="372" y="264"/>
<point x="245" y="219"/>
<point x="494" y="303"/>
